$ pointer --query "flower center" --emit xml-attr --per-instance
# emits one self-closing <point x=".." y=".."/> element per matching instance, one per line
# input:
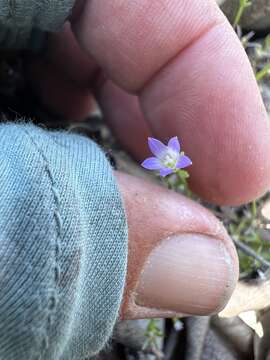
<point x="170" y="158"/>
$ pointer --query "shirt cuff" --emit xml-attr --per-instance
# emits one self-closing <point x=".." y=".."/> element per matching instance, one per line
<point x="63" y="245"/>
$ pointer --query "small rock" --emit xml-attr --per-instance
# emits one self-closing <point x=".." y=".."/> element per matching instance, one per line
<point x="265" y="211"/>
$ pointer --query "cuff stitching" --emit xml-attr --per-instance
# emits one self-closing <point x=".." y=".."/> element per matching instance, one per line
<point x="53" y="295"/>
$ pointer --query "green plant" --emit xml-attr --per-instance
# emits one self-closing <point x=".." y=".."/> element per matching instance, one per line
<point x="153" y="332"/>
<point x="243" y="4"/>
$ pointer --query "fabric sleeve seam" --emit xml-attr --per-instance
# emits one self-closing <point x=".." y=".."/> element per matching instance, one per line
<point x="52" y="301"/>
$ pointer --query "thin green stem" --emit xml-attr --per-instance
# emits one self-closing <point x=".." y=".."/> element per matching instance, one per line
<point x="183" y="176"/>
<point x="260" y="74"/>
<point x="254" y="208"/>
<point x="243" y="4"/>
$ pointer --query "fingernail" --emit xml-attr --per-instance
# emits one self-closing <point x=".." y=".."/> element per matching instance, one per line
<point x="189" y="273"/>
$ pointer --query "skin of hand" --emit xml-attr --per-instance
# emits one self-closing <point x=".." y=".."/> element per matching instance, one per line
<point x="167" y="68"/>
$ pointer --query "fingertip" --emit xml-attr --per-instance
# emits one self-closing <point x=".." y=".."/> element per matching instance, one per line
<point x="218" y="113"/>
<point x="181" y="260"/>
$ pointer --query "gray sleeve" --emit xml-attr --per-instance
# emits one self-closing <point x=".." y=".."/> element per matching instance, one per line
<point x="21" y="19"/>
<point x="63" y="246"/>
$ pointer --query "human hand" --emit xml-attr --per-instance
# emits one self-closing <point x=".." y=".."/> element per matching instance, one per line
<point x="190" y="77"/>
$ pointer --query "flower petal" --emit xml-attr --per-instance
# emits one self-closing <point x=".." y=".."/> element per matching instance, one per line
<point x="183" y="162"/>
<point x="151" y="163"/>
<point x="174" y="144"/>
<point x="165" y="171"/>
<point x="157" y="147"/>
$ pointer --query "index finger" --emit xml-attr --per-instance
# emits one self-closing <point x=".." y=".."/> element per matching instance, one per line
<point x="194" y="80"/>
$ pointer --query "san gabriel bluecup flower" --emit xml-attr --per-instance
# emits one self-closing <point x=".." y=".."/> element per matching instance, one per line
<point x="168" y="158"/>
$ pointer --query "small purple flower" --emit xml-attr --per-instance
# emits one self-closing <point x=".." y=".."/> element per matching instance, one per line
<point x="168" y="159"/>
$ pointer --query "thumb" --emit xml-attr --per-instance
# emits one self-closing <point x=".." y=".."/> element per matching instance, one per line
<point x="181" y="259"/>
